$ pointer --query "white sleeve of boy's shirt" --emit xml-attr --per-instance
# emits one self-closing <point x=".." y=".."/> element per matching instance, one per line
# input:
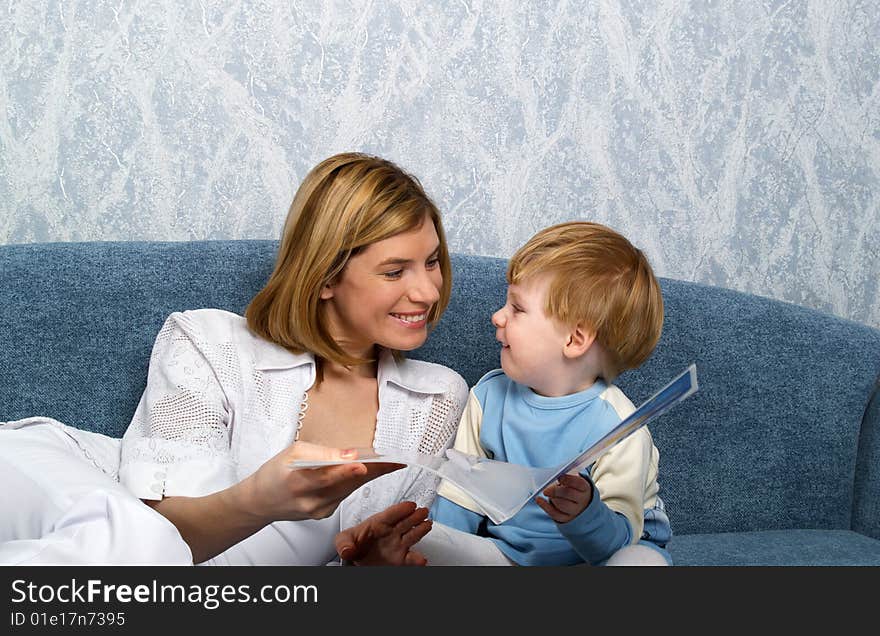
<point x="626" y="478"/>
<point x="626" y="475"/>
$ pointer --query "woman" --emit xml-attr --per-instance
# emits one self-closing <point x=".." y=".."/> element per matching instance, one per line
<point x="362" y="272"/>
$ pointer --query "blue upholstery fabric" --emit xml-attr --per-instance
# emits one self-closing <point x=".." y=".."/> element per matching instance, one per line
<point x="776" y="547"/>
<point x="781" y="435"/>
<point x="78" y="320"/>
<point x="866" y="500"/>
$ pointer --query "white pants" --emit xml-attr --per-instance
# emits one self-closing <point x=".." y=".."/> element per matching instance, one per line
<point x="62" y="505"/>
<point x="448" y="546"/>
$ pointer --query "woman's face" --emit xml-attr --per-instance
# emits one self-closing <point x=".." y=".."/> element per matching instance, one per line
<point x="385" y="293"/>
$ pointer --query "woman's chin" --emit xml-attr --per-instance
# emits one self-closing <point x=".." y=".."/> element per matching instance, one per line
<point x="409" y="343"/>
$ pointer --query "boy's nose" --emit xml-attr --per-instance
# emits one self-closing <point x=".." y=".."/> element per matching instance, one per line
<point x="498" y="318"/>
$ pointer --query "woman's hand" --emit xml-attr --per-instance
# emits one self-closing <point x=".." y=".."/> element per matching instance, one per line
<point x="277" y="492"/>
<point x="387" y="537"/>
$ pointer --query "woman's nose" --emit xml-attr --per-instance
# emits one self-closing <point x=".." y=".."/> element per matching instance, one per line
<point x="425" y="289"/>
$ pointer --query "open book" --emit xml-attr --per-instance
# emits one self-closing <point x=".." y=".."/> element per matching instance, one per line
<point x="502" y="489"/>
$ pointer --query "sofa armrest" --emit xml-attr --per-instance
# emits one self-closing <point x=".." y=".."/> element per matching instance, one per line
<point x="866" y="491"/>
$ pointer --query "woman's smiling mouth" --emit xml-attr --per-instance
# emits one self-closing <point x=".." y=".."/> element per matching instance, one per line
<point x="411" y="320"/>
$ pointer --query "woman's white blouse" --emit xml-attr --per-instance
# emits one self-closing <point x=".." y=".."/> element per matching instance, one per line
<point x="220" y="401"/>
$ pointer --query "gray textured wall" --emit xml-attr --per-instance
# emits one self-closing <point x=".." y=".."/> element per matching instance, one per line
<point x="738" y="143"/>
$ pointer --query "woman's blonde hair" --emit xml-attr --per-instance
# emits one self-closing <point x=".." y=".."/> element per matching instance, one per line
<point x="598" y="280"/>
<point x="346" y="203"/>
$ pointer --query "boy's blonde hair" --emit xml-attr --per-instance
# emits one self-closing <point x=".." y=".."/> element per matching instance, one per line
<point x="346" y="203"/>
<point x="600" y="281"/>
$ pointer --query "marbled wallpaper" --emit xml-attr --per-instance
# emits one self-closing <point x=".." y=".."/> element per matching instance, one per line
<point x="738" y="143"/>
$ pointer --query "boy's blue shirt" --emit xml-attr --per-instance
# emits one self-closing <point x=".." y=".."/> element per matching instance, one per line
<point x="521" y="427"/>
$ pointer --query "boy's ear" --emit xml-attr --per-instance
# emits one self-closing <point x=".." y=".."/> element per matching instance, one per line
<point x="580" y="339"/>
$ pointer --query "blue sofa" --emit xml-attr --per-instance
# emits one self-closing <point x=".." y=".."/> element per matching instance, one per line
<point x="775" y="461"/>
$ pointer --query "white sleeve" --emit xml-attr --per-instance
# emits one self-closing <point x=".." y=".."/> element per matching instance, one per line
<point x="626" y="477"/>
<point x="178" y="442"/>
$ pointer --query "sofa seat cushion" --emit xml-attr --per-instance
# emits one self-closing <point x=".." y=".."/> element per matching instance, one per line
<point x="776" y="547"/>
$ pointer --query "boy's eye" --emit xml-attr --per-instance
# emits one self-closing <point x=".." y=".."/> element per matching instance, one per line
<point x="516" y="309"/>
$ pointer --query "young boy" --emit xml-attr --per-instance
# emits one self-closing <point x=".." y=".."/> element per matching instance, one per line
<point x="582" y="306"/>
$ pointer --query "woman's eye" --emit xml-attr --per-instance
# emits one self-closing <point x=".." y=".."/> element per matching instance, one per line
<point x="392" y="275"/>
<point x="434" y="262"/>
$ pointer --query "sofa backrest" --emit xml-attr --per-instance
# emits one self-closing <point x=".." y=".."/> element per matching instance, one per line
<point x="769" y="442"/>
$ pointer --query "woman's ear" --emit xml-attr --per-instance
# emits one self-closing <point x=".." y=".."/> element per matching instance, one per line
<point x="327" y="291"/>
<point x="580" y="339"/>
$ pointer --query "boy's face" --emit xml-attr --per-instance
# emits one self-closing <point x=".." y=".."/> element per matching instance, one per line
<point x="532" y="343"/>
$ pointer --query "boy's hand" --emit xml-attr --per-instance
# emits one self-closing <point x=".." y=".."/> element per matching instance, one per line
<point x="567" y="498"/>
<point x="387" y="537"/>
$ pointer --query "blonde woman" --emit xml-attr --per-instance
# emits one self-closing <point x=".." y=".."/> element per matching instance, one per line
<point x="313" y="368"/>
